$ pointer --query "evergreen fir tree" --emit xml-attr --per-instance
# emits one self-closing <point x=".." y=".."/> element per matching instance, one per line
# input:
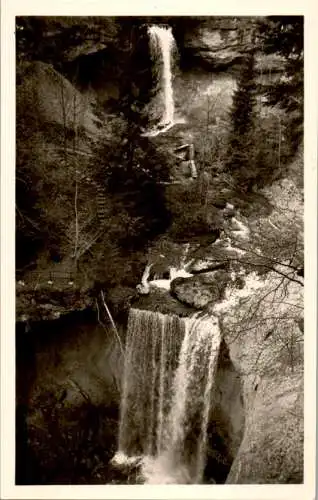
<point x="241" y="141"/>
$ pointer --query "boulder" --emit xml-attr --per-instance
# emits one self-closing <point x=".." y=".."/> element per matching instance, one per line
<point x="201" y="290"/>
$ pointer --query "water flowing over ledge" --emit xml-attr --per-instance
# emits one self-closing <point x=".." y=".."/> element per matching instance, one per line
<point x="169" y="370"/>
<point x="162" y="44"/>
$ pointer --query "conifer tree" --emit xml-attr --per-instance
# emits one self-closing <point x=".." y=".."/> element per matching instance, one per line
<point x="241" y="141"/>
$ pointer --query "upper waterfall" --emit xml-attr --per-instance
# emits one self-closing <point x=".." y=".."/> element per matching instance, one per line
<point x="162" y="44"/>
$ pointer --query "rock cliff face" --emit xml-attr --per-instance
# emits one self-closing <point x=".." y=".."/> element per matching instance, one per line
<point x="75" y="355"/>
<point x="216" y="47"/>
<point x="221" y="44"/>
<point x="68" y="392"/>
<point x="227" y="418"/>
<point x="269" y="357"/>
<point x="47" y="98"/>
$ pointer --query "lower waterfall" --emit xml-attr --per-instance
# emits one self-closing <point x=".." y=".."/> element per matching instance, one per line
<point x="170" y="364"/>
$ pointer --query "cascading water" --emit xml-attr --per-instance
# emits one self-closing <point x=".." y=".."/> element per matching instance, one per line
<point x="153" y="342"/>
<point x="162" y="45"/>
<point x="168" y="378"/>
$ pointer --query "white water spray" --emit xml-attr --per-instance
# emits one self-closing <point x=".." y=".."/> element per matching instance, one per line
<point x="161" y="46"/>
<point x="168" y="379"/>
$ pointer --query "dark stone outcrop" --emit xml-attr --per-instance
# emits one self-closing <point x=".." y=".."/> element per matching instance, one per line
<point x="201" y="290"/>
<point x="48" y="304"/>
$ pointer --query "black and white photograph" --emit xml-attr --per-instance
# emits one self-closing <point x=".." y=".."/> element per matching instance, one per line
<point x="159" y="250"/>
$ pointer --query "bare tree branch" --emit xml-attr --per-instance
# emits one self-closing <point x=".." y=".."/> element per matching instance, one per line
<point x="112" y="322"/>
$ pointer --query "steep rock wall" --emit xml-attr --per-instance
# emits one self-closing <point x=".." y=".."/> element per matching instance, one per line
<point x="67" y="401"/>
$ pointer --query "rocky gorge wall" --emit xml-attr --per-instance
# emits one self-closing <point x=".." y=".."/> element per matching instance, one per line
<point x="271" y="366"/>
